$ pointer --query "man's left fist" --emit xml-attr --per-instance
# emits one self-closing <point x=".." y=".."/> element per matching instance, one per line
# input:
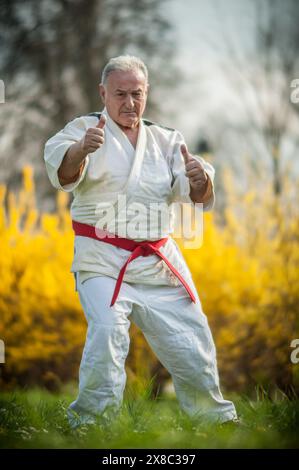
<point x="194" y="171"/>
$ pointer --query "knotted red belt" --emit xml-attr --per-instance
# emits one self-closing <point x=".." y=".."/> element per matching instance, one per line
<point x="144" y="248"/>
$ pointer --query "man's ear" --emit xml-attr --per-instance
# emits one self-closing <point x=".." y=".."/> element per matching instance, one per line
<point x="102" y="92"/>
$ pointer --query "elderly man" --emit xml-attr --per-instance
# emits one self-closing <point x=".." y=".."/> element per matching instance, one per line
<point x="115" y="162"/>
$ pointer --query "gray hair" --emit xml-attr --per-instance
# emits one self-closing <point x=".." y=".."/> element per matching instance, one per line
<point x="124" y="63"/>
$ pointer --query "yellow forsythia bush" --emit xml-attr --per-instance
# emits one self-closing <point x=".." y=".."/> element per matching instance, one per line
<point x="246" y="273"/>
<point x="41" y="321"/>
<point x="247" y="276"/>
<point x="41" y="318"/>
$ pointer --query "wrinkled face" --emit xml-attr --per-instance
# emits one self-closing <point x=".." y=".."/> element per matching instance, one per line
<point x="125" y="95"/>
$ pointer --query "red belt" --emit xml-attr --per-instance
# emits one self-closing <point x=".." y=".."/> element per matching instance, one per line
<point x="144" y="248"/>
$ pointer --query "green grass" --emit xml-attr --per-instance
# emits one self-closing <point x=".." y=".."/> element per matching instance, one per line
<point x="36" y="418"/>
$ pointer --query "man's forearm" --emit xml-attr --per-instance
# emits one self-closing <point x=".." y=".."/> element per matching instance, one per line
<point x="203" y="195"/>
<point x="72" y="164"/>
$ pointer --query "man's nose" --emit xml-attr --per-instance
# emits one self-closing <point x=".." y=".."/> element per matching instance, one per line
<point x="129" y="101"/>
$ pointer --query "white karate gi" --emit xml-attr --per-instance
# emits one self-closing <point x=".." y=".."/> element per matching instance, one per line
<point x="150" y="295"/>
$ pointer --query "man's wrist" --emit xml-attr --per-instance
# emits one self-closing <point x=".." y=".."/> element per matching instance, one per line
<point x="78" y="152"/>
<point x="72" y="164"/>
<point x="204" y="194"/>
<point x="64" y="181"/>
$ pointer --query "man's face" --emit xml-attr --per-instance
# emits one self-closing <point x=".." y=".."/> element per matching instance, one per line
<point x="125" y="95"/>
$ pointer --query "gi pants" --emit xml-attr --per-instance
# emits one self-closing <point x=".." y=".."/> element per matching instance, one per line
<point x="176" y="329"/>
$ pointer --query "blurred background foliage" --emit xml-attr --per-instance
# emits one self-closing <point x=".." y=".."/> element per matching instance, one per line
<point x="246" y="274"/>
<point x="51" y="57"/>
<point x="227" y="88"/>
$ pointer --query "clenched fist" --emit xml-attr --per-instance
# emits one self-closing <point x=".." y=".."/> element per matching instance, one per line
<point x="94" y="137"/>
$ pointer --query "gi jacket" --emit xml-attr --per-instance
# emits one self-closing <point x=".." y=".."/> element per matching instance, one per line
<point x="128" y="192"/>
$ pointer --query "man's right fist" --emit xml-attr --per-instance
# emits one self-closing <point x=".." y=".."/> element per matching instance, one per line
<point x="94" y="137"/>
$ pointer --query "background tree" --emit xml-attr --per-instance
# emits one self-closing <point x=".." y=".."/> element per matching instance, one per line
<point x="51" y="57"/>
<point x="255" y="125"/>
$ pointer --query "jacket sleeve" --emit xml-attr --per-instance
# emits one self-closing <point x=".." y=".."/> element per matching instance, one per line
<point x="56" y="148"/>
<point x="180" y="182"/>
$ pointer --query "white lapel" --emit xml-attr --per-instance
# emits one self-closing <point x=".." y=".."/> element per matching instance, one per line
<point x="134" y="175"/>
<point x="119" y="134"/>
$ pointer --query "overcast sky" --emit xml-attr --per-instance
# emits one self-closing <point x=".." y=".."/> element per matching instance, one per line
<point x="199" y="28"/>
